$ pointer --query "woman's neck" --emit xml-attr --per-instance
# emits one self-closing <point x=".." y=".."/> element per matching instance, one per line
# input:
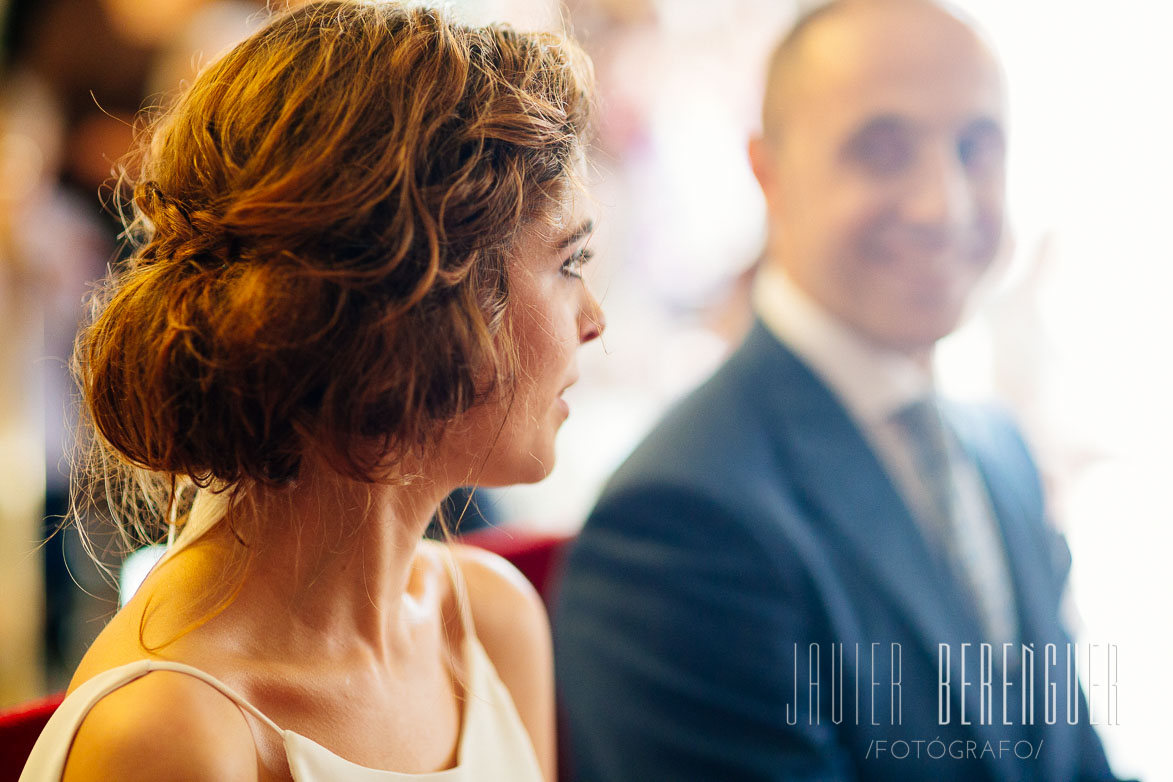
<point x="331" y="566"/>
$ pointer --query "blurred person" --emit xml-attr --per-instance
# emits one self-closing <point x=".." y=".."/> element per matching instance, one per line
<point x="815" y="562"/>
<point x="22" y="479"/>
<point x="96" y="75"/>
<point x="355" y="287"/>
<point x="48" y="239"/>
<point x="60" y="79"/>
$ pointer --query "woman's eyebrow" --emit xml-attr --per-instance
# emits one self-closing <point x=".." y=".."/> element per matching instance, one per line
<point x="584" y="229"/>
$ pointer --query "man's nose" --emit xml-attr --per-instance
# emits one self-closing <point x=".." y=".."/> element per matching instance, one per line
<point x="940" y="196"/>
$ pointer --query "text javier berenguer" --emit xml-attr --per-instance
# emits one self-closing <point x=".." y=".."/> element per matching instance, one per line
<point x="981" y="683"/>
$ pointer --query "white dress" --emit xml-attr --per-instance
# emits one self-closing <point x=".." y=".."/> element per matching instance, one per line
<point x="494" y="745"/>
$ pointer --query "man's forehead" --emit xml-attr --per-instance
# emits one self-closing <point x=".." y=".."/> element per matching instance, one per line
<point x="889" y="56"/>
<point x="943" y="84"/>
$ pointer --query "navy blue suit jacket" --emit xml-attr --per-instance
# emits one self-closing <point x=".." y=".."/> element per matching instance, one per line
<point x="752" y="533"/>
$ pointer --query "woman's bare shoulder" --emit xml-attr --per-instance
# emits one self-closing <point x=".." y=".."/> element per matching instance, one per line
<point x="163" y="726"/>
<point x="502" y="600"/>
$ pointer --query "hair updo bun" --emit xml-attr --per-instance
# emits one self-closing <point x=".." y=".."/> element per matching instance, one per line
<point x="321" y="224"/>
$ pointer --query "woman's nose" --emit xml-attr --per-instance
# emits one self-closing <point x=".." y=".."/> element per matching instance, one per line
<point x="592" y="321"/>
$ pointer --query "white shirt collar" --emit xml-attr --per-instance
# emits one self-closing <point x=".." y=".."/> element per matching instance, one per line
<point x="872" y="382"/>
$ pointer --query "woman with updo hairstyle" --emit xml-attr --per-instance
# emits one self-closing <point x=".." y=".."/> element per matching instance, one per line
<point x="355" y="286"/>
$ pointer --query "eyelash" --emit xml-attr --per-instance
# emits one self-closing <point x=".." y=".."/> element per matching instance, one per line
<point x="572" y="266"/>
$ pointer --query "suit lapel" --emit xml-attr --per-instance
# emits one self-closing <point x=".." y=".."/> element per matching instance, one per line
<point x="852" y="496"/>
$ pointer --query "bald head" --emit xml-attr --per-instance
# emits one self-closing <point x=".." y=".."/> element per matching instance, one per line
<point x="821" y="40"/>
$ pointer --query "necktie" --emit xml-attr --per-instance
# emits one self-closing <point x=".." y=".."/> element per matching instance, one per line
<point x="964" y="532"/>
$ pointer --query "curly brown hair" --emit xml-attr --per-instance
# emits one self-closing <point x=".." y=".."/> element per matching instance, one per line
<point x="321" y="224"/>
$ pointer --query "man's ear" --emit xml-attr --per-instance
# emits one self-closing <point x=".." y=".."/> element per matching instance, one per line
<point x="760" y="161"/>
<point x="763" y="162"/>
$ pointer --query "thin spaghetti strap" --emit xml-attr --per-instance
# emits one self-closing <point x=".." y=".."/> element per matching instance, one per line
<point x="228" y="692"/>
<point x="48" y="756"/>
<point x="460" y="588"/>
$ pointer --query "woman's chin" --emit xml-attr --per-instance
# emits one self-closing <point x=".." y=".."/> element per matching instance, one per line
<point x="527" y="468"/>
<point x="536" y="471"/>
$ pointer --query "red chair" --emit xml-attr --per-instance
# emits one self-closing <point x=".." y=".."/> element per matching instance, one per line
<point x="19" y="728"/>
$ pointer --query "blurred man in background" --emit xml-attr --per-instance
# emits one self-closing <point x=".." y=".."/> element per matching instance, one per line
<point x="815" y="562"/>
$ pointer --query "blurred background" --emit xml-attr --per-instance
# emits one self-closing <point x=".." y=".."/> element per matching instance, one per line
<point x="1070" y="336"/>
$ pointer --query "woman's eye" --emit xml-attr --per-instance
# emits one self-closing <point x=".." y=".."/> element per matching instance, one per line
<point x="572" y="266"/>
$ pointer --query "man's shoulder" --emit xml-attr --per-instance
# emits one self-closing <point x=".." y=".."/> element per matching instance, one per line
<point x="703" y="443"/>
<point x="722" y="454"/>
<point x="992" y="433"/>
<point x="717" y="427"/>
<point x="985" y="422"/>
